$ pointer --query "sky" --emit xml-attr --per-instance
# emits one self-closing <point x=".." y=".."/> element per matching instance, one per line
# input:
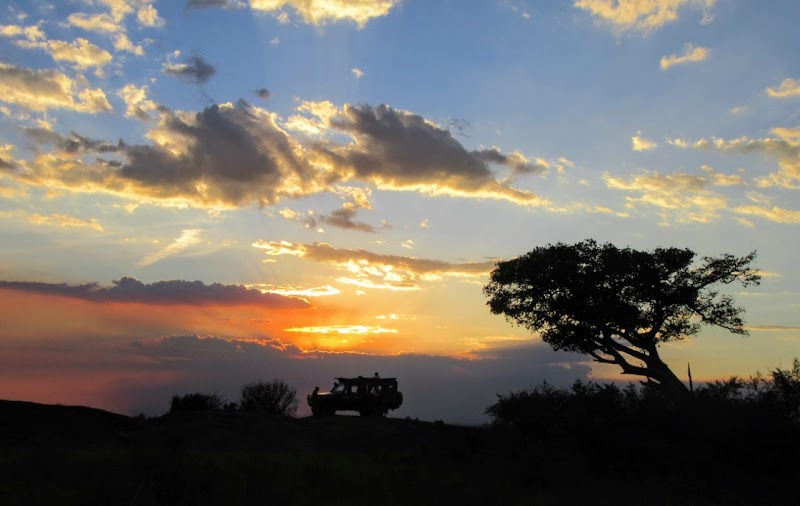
<point x="199" y="194"/>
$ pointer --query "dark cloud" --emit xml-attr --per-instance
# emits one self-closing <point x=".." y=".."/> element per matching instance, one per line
<point x="263" y="93"/>
<point x="194" y="69"/>
<point x="343" y="218"/>
<point x="403" y="150"/>
<point x="128" y="289"/>
<point x="406" y="148"/>
<point x="231" y="154"/>
<point x="6" y="165"/>
<point x="72" y="143"/>
<point x="516" y="163"/>
<point x="434" y="387"/>
<point x="238" y="154"/>
<point x="460" y="126"/>
<point x="205" y="4"/>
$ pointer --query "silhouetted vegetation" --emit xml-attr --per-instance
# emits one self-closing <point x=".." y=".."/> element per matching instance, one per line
<point x="195" y="402"/>
<point x="589" y="409"/>
<point x="274" y="397"/>
<point x="731" y="442"/>
<point x="618" y="305"/>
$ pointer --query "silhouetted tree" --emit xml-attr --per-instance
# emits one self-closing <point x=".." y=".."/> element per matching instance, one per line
<point x="618" y="305"/>
<point x="785" y="389"/>
<point x="195" y="402"/>
<point x="274" y="397"/>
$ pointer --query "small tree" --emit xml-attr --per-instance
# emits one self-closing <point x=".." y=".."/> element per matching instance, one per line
<point x="195" y="402"/>
<point x="274" y="397"/>
<point x="619" y="305"/>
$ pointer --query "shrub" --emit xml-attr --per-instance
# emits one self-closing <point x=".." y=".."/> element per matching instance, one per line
<point x="784" y="390"/>
<point x="722" y="407"/>
<point x="195" y="402"/>
<point x="274" y="397"/>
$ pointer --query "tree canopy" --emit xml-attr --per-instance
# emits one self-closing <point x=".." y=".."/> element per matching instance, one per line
<point x="274" y="397"/>
<point x="619" y="304"/>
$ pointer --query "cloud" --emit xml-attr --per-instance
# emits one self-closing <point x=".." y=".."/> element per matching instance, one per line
<point x="118" y="11"/>
<point x="788" y="88"/>
<point x="194" y="69"/>
<point x="357" y="72"/>
<point x="55" y="219"/>
<point x="772" y="328"/>
<point x="399" y="150"/>
<point x="186" y="239"/>
<point x="136" y="102"/>
<point x="690" y="54"/>
<point x="784" y="146"/>
<point x="205" y="4"/>
<point x="262" y="93"/>
<point x="112" y="22"/>
<point x="641" y="15"/>
<point x="123" y="43"/>
<point x="297" y="291"/>
<point x="64" y="221"/>
<point x="31" y="33"/>
<point x="127" y="289"/>
<point x="40" y="90"/>
<point x="342" y="330"/>
<point x="238" y="154"/>
<point x="344" y="218"/>
<point x="774" y="214"/>
<point x="100" y="23"/>
<point x="319" y="12"/>
<point x="147" y="15"/>
<point x="230" y="154"/>
<point x="681" y="197"/>
<point x="357" y="198"/>
<point x="81" y="53"/>
<point x="72" y="144"/>
<point x="373" y="270"/>
<point x="6" y="157"/>
<point x="639" y="143"/>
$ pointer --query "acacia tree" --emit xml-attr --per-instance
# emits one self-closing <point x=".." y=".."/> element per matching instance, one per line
<point x="618" y="305"/>
<point x="274" y="397"/>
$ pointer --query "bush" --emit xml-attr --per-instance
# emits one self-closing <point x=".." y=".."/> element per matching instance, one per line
<point x="588" y="407"/>
<point x="784" y="390"/>
<point x="274" y="397"/>
<point x="195" y="402"/>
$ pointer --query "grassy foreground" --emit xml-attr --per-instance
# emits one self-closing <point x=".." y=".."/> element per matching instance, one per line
<point x="75" y="455"/>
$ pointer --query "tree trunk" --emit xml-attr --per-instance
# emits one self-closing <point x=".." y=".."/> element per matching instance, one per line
<point x="668" y="381"/>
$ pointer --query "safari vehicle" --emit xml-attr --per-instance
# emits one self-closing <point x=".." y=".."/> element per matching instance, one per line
<point x="370" y="396"/>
